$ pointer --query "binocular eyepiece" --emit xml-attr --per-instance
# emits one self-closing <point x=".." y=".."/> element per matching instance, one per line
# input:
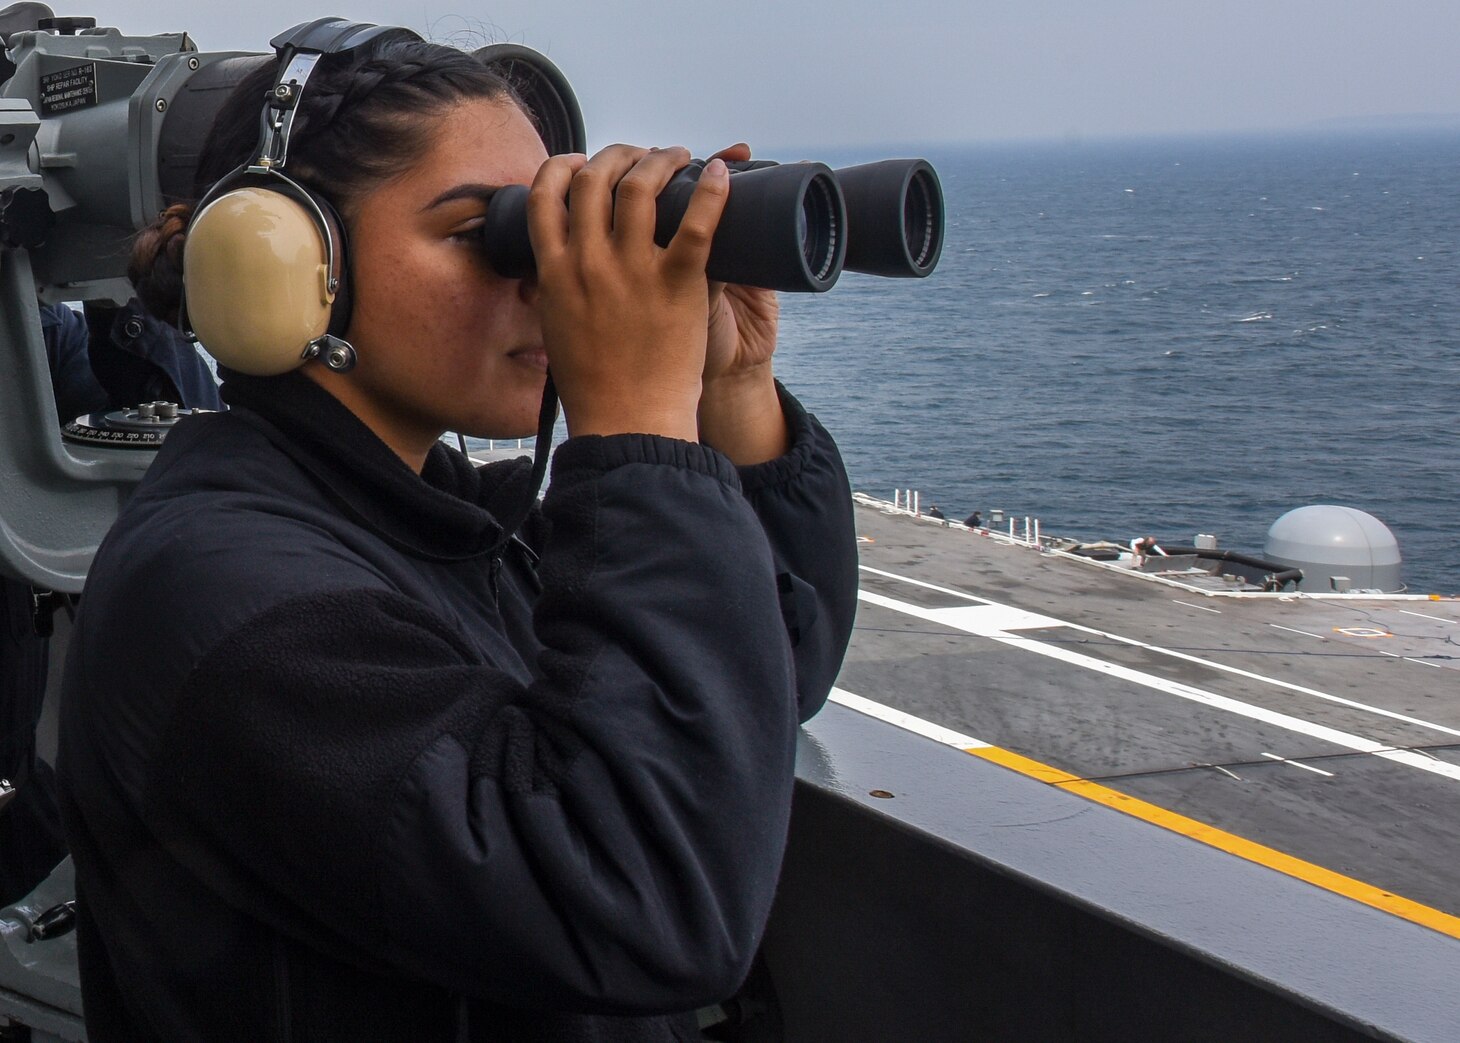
<point x="791" y="227"/>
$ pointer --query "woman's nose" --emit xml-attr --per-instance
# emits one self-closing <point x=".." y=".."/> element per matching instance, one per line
<point x="527" y="288"/>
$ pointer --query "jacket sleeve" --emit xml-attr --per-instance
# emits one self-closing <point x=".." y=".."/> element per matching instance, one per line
<point x="804" y="502"/>
<point x="66" y="339"/>
<point x="138" y="357"/>
<point x="604" y="839"/>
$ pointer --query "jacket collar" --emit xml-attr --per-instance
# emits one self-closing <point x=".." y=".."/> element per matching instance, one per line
<point x="448" y="512"/>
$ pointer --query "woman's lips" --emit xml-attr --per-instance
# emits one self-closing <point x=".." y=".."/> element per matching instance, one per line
<point x="530" y="356"/>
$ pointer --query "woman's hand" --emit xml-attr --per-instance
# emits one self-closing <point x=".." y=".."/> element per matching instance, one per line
<point x="740" y="413"/>
<point x="625" y="322"/>
<point x="742" y="334"/>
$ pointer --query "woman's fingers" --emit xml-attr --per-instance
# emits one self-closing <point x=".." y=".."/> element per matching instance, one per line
<point x="591" y="206"/>
<point x="689" y="250"/>
<point x="614" y="195"/>
<point x="547" y="204"/>
<point x="736" y="153"/>
<point x="635" y="209"/>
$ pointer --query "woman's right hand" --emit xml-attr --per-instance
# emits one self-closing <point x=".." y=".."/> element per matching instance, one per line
<point x="624" y="320"/>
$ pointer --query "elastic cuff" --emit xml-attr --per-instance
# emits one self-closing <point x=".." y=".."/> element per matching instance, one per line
<point x="803" y="429"/>
<point x="589" y="455"/>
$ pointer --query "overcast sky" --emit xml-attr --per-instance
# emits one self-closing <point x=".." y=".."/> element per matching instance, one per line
<point x="786" y="73"/>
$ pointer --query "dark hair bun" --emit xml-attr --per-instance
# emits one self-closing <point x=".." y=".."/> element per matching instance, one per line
<point x="156" y="267"/>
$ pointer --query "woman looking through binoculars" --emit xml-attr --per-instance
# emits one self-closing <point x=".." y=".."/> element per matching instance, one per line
<point x="342" y="760"/>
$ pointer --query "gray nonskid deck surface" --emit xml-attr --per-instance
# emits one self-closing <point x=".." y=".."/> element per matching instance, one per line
<point x="1278" y="720"/>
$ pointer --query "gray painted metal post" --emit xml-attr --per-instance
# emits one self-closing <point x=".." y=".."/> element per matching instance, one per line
<point x="56" y="500"/>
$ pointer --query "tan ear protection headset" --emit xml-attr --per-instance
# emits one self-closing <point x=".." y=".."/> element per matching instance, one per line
<point x="265" y="272"/>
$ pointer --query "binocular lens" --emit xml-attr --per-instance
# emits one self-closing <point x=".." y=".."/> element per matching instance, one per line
<point x="894" y="217"/>
<point x="920" y="224"/>
<point x="818" y="227"/>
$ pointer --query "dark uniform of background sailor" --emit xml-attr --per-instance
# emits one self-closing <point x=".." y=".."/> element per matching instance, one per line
<point x="112" y="357"/>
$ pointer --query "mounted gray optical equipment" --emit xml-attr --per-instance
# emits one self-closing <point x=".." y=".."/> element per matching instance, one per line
<point x="83" y="110"/>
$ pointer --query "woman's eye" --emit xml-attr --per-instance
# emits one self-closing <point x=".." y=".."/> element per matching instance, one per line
<point x="471" y="233"/>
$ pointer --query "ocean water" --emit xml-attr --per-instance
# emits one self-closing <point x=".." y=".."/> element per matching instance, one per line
<point x="1165" y="337"/>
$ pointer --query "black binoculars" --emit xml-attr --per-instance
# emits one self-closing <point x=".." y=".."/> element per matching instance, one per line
<point x="790" y="227"/>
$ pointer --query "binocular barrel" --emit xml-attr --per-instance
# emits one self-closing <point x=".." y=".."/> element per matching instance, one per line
<point x="897" y="230"/>
<point x="791" y="227"/>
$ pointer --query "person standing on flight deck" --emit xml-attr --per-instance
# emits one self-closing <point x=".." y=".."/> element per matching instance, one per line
<point x="1142" y="547"/>
<point x="340" y="760"/>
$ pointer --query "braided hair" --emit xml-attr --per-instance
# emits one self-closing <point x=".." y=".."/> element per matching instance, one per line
<point x="364" y="118"/>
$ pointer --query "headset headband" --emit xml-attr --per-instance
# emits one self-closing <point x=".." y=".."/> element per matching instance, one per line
<point x="299" y="50"/>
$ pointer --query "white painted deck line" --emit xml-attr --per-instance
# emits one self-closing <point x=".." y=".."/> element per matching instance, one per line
<point x="905" y="720"/>
<point x="1298" y="764"/>
<point x="1293" y="630"/>
<point x="985" y="620"/>
<point x="926" y="585"/>
<point x="1426" y="615"/>
<point x="1236" y="671"/>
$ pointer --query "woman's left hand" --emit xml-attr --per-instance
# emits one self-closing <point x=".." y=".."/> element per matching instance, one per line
<point x="740" y="412"/>
<point x="743" y="319"/>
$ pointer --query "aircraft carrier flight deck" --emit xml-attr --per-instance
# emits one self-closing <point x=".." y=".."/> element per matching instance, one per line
<point x="1319" y="735"/>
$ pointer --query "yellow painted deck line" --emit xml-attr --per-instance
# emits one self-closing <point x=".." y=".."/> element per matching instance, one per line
<point x="1316" y="875"/>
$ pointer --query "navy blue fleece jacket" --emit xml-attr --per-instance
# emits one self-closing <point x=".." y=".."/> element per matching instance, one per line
<point x="329" y="773"/>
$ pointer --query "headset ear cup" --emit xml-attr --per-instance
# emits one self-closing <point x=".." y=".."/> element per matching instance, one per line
<point x="256" y="280"/>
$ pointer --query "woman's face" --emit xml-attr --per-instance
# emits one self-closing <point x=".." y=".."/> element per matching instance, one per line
<point x="444" y="343"/>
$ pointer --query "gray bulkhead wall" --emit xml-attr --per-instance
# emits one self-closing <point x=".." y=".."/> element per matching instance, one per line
<point x="977" y="903"/>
